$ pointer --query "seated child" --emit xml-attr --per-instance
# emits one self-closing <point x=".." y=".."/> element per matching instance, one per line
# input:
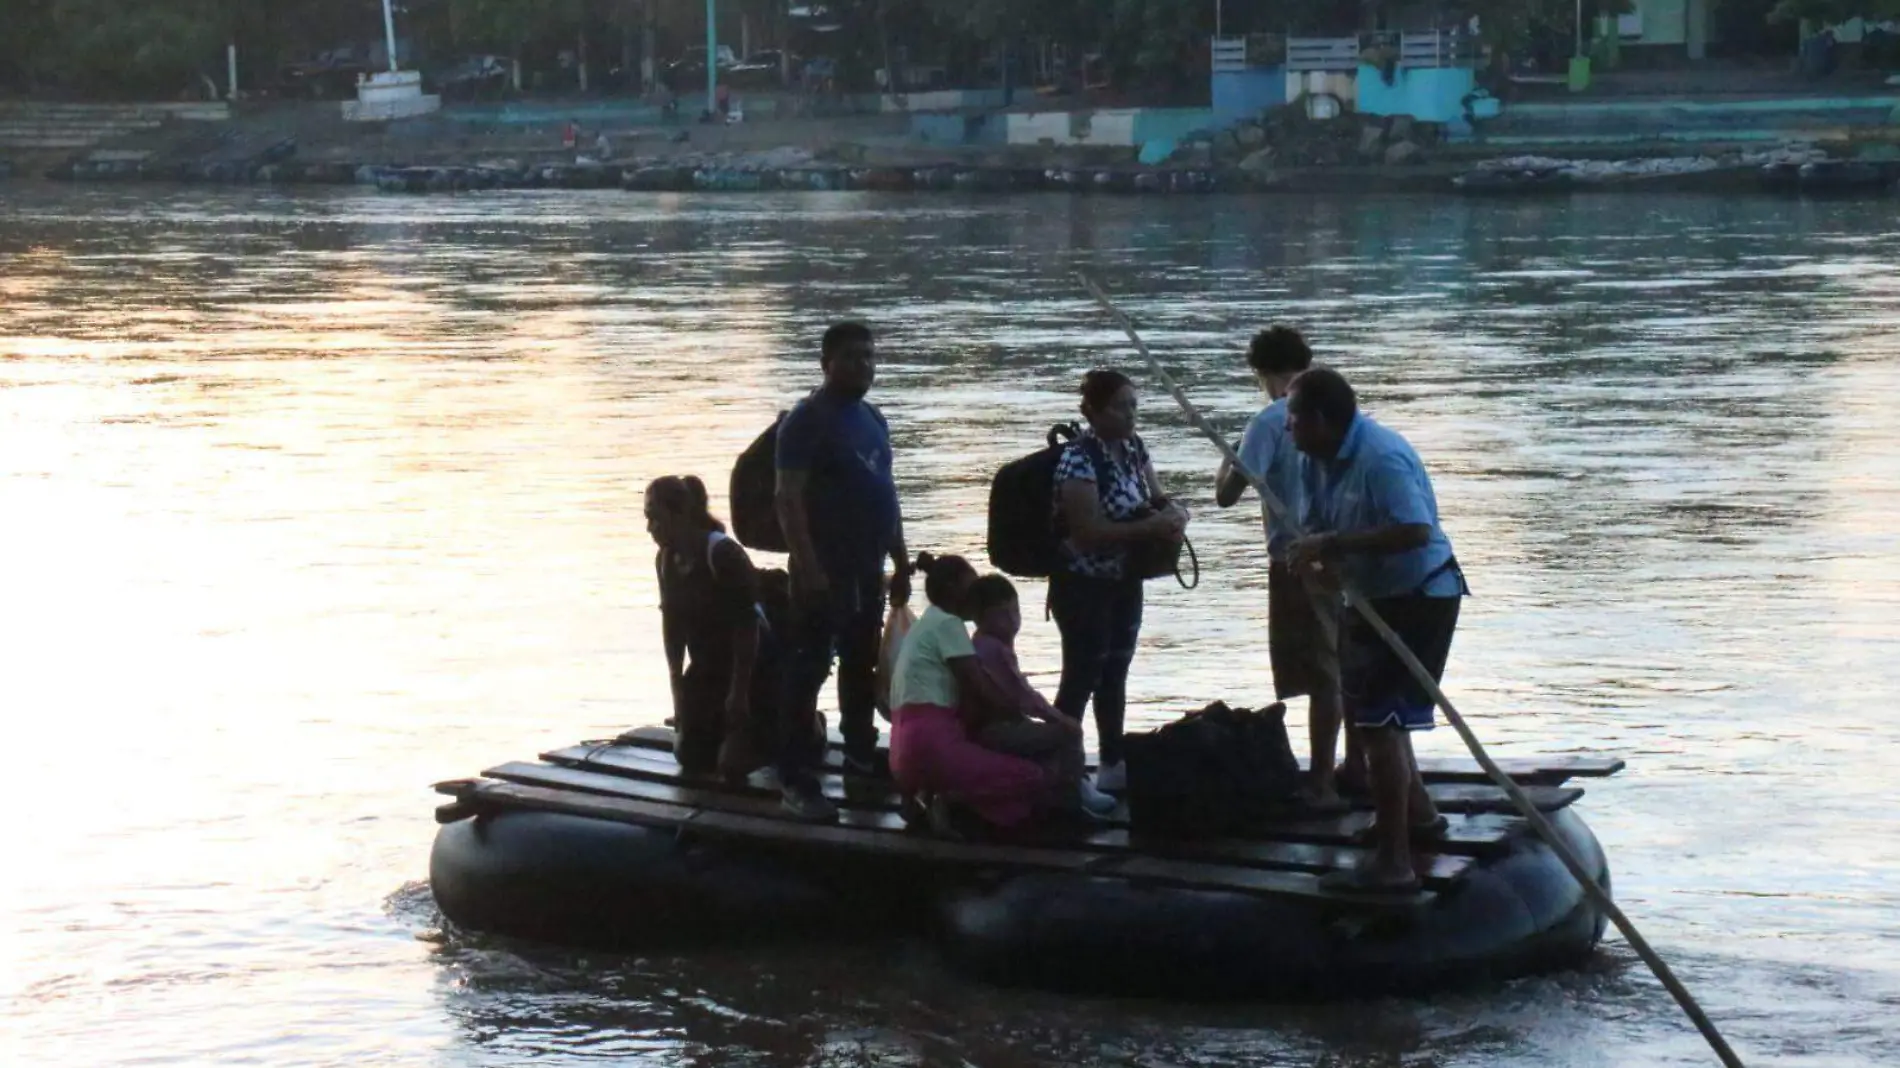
<point x="1027" y="725"/>
<point x="938" y="677"/>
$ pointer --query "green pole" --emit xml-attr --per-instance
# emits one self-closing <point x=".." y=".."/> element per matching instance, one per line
<point x="712" y="53"/>
<point x="1579" y="63"/>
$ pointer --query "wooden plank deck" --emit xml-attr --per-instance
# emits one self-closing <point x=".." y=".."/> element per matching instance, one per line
<point x="1525" y="771"/>
<point x="1437" y="871"/>
<point x="1451" y="797"/>
<point x="1471" y="834"/>
<point x="478" y="795"/>
<point x="636" y="780"/>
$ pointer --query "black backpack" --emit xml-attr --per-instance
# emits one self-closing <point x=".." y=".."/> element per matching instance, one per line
<point x="1023" y="540"/>
<point x="1213" y="773"/>
<point x="754" y="493"/>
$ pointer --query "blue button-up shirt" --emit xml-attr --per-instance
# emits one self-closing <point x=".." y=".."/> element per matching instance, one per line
<point x="1376" y="480"/>
<point x="1267" y="450"/>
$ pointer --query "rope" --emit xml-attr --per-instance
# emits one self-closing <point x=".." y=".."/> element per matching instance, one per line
<point x="1542" y="826"/>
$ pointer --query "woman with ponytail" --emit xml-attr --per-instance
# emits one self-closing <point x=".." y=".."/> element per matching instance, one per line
<point x="932" y="752"/>
<point x="717" y="648"/>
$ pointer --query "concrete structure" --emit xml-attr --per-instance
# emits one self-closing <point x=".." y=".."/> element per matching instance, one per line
<point x="1249" y="76"/>
<point x="1429" y="95"/>
<point x="1432" y="75"/>
<point x="1098" y="128"/>
<point x="391" y="94"/>
<point x="971" y="128"/>
<point x="1324" y="72"/>
<point x="386" y="95"/>
<point x="1424" y="75"/>
<point x="940" y="100"/>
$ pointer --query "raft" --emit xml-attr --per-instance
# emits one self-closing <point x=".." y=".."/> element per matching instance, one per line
<point x="609" y="845"/>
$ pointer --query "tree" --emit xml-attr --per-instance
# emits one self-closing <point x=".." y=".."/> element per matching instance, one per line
<point x="507" y="26"/>
<point x="1834" y="12"/>
<point x="1513" y="26"/>
<point x="162" y="47"/>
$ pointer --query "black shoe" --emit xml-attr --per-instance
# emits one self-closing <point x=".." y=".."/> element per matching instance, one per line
<point x="806" y="802"/>
<point x="875" y="766"/>
<point x="915" y="813"/>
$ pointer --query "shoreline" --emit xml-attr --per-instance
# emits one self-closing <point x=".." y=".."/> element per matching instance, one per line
<point x="1531" y="176"/>
<point x="296" y="145"/>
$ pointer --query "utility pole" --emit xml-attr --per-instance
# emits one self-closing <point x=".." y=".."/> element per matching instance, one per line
<point x="389" y="34"/>
<point x="712" y="53"/>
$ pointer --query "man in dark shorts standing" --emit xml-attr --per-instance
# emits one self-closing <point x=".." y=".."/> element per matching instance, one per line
<point x="837" y="504"/>
<point x="1300" y="632"/>
<point x="1374" y="524"/>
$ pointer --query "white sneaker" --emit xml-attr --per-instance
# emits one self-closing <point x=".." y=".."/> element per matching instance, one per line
<point x="1112" y="777"/>
<point x="1094" y="801"/>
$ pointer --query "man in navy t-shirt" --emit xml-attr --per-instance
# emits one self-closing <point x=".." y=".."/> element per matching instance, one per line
<point x="838" y="506"/>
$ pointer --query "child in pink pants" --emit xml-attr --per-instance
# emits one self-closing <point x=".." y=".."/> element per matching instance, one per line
<point x="932" y="752"/>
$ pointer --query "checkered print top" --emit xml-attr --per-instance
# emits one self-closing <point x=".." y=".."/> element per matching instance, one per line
<point x="1123" y="497"/>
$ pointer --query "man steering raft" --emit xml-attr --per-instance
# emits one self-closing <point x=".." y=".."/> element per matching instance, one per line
<point x="1374" y="526"/>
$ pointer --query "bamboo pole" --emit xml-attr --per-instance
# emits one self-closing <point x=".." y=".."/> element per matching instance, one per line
<point x="1599" y="896"/>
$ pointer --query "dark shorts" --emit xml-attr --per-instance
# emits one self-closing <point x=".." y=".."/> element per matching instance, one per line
<point x="1298" y="640"/>
<point x="1375" y="686"/>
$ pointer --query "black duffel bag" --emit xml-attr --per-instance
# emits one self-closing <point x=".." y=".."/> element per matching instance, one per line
<point x="1220" y="771"/>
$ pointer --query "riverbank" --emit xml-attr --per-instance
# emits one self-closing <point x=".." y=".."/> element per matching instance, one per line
<point x="471" y="150"/>
<point x="1796" y="172"/>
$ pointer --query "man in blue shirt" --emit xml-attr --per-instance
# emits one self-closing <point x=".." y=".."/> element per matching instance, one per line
<point x="1373" y="527"/>
<point x="837" y="504"/>
<point x="1300" y="634"/>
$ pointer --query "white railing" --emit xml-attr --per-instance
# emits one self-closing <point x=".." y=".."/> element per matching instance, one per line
<point x="1436" y="48"/>
<point x="1230" y="55"/>
<point x="1322" y="54"/>
<point x="1301" y="55"/>
<point x="1233" y="55"/>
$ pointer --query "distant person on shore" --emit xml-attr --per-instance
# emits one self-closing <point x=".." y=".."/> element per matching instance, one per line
<point x="720" y="659"/>
<point x="1027" y="725"/>
<point x="939" y="680"/>
<point x="1302" y="619"/>
<point x="837" y="504"/>
<point x="1374" y="526"/>
<point x="1108" y="501"/>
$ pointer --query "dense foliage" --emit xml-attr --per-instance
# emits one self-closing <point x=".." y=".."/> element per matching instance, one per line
<point x="174" y="47"/>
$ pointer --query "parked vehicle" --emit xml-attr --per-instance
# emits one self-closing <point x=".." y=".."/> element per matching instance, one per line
<point x="331" y="75"/>
<point x="478" y="77"/>
<point x="817" y="71"/>
<point x="761" y="70"/>
<point x="690" y="69"/>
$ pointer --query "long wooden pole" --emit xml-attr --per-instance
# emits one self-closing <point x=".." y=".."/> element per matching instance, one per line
<point x="1599" y="896"/>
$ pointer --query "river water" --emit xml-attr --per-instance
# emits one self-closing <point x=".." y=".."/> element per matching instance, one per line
<point x="307" y="501"/>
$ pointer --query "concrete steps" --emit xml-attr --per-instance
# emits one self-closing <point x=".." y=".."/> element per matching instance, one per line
<point x="32" y="126"/>
<point x="196" y="111"/>
<point x="1706" y="120"/>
